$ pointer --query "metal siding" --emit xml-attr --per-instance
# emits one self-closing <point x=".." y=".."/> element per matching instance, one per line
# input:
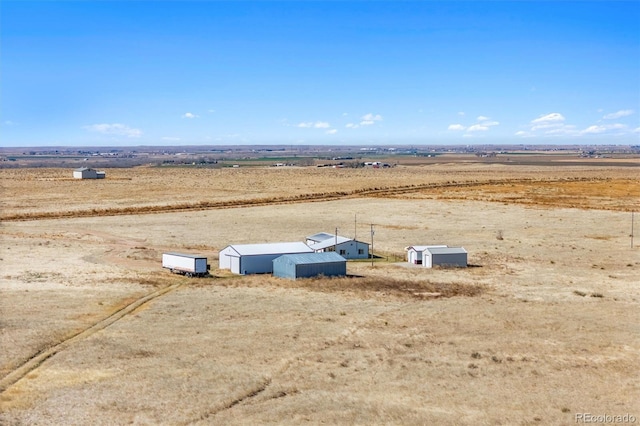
<point x="201" y="265"/>
<point x="452" y="259"/>
<point x="305" y="266"/>
<point x="224" y="258"/>
<point x="234" y="264"/>
<point x="284" y="268"/>
<point x="261" y="264"/>
<point x="327" y="269"/>
<point x="427" y="260"/>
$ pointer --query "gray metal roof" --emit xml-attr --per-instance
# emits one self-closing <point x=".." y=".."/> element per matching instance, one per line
<point x="423" y="248"/>
<point x="271" y="248"/>
<point x="191" y="256"/>
<point x="321" y="236"/>
<point x="330" y="242"/>
<point x="446" y="250"/>
<point x="307" y="258"/>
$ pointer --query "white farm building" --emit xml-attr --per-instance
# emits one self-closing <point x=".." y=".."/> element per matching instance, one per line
<point x="345" y="247"/>
<point x="88" y="173"/>
<point x="257" y="258"/>
<point x="414" y="253"/>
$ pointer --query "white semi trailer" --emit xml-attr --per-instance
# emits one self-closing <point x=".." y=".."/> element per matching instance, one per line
<point x="186" y="264"/>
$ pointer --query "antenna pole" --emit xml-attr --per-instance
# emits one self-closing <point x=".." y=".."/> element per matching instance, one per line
<point x="632" y="229"/>
<point x="372" y="232"/>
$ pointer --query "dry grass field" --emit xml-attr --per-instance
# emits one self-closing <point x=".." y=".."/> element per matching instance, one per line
<point x="544" y="325"/>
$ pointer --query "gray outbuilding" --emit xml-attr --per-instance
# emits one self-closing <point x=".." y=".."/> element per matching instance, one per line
<point x="257" y="258"/>
<point x="306" y="265"/>
<point x="444" y="256"/>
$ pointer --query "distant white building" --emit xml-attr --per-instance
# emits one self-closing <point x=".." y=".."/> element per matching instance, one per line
<point x="414" y="253"/>
<point x="257" y="258"/>
<point x="88" y="173"/>
<point x="345" y="247"/>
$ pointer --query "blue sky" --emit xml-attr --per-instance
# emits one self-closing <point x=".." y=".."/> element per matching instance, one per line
<point x="328" y="72"/>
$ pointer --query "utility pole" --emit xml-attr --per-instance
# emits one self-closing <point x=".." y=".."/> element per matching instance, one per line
<point x="632" y="229"/>
<point x="336" y="248"/>
<point x="372" y="232"/>
<point x="355" y="225"/>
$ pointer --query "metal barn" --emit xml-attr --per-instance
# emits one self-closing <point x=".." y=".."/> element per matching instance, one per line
<point x="307" y="265"/>
<point x="444" y="256"/>
<point x="257" y="258"/>
<point x="414" y="253"/>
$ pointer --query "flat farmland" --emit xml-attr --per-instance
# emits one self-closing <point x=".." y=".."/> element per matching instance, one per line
<point x="544" y="325"/>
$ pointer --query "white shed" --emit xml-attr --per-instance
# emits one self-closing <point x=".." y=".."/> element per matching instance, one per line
<point x="88" y="173"/>
<point x="444" y="256"/>
<point x="345" y="247"/>
<point x="414" y="253"/>
<point x="257" y="258"/>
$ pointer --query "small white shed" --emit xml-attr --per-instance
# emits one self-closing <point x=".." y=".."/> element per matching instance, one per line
<point x="88" y="173"/>
<point x="257" y="258"/>
<point x="414" y="253"/>
<point x="444" y="256"/>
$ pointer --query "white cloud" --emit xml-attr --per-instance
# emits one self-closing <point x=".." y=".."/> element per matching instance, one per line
<point x="316" y="125"/>
<point x="521" y="133"/>
<point x="371" y="117"/>
<point x="331" y="131"/>
<point x="554" y="117"/>
<point x="456" y="127"/>
<point x="115" y="129"/>
<point x="9" y="123"/>
<point x="477" y="128"/>
<point x="483" y="124"/>
<point x="351" y="126"/>
<point x="189" y="115"/>
<point x="461" y="113"/>
<point x="636" y="130"/>
<point x="211" y="111"/>
<point x="618" y="114"/>
<point x="596" y="129"/>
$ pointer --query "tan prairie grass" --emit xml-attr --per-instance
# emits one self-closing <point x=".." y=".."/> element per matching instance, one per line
<point x="41" y="193"/>
<point x="363" y="286"/>
<point x="543" y="326"/>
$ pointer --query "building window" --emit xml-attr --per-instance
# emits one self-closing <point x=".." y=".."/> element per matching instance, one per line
<point x="343" y="252"/>
<point x="360" y="251"/>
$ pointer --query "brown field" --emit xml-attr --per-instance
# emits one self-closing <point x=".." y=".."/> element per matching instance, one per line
<point x="544" y="325"/>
